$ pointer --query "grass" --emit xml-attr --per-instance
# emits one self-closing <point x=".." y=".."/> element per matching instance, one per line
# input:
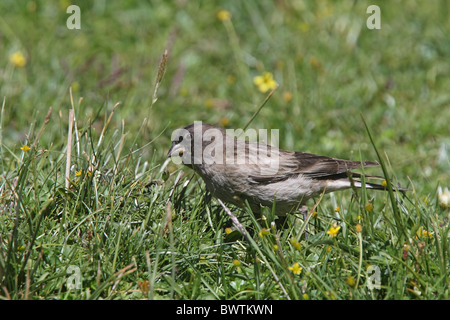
<point x="131" y="225"/>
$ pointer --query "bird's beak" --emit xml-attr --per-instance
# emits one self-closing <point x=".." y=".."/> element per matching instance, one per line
<point x="176" y="150"/>
<point x="169" y="154"/>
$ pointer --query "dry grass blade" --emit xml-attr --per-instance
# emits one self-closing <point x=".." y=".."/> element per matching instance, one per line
<point x="107" y="123"/>
<point x="160" y="75"/>
<point x="47" y="119"/>
<point x="121" y="273"/>
<point x="235" y="221"/>
<point x="69" y="148"/>
<point x="260" y="107"/>
<point x="180" y="174"/>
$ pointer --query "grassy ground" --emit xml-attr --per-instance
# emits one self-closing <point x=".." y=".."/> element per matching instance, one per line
<point x="132" y="226"/>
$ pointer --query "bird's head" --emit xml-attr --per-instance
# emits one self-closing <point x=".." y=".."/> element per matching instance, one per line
<point x="189" y="142"/>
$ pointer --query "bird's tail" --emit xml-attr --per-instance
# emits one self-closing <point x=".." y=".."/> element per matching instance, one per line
<point x="375" y="186"/>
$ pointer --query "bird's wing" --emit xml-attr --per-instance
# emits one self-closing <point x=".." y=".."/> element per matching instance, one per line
<point x="287" y="164"/>
<point x="316" y="166"/>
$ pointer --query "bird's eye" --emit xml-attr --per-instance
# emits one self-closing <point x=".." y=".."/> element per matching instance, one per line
<point x="180" y="139"/>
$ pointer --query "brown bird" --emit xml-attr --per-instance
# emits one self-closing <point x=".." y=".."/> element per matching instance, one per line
<point x="236" y="170"/>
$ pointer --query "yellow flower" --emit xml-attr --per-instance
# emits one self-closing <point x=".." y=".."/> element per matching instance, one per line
<point x="351" y="281"/>
<point x="228" y="230"/>
<point x="25" y="148"/>
<point x="444" y="197"/>
<point x="75" y="86"/>
<point x="314" y="214"/>
<point x="79" y="173"/>
<point x="304" y="27"/>
<point x="369" y="207"/>
<point x="209" y="103"/>
<point x="358" y="228"/>
<point x="224" y="15"/>
<point x="18" y="59"/>
<point x="331" y="295"/>
<point x="295" y="243"/>
<point x="265" y="82"/>
<point x="423" y="233"/>
<point x="296" y="269"/>
<point x="275" y="247"/>
<point x="224" y="121"/>
<point x="384" y="183"/>
<point x="184" y="92"/>
<point x="337" y="209"/>
<point x="236" y="263"/>
<point x="231" y="79"/>
<point x="315" y="63"/>
<point x="287" y="96"/>
<point x="63" y="4"/>
<point x="334" y="230"/>
<point x="264" y="232"/>
<point x="31" y="6"/>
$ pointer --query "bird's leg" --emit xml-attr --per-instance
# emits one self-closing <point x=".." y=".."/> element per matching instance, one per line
<point x="207" y="197"/>
<point x="304" y="212"/>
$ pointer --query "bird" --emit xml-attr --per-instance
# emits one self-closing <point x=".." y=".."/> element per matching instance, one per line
<point x="239" y="171"/>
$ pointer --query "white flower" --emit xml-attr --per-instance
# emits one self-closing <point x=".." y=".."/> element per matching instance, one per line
<point x="444" y="197"/>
